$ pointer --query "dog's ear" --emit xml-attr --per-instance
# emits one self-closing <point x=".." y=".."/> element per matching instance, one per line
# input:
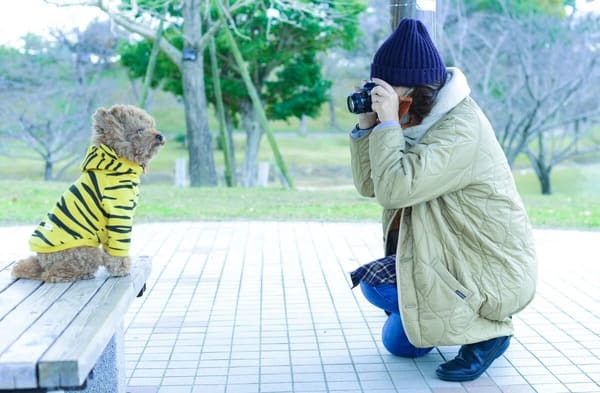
<point x="102" y="121"/>
<point x="106" y="126"/>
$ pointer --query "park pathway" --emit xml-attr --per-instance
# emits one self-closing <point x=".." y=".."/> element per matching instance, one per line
<point x="256" y="306"/>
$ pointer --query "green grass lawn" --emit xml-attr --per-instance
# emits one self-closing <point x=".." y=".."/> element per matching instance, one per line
<point x="26" y="202"/>
<point x="320" y="166"/>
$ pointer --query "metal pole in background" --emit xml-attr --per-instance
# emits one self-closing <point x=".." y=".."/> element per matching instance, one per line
<point x="423" y="10"/>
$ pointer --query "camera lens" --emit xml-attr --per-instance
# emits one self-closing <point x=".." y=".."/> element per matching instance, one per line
<point x="351" y="105"/>
<point x="360" y="102"/>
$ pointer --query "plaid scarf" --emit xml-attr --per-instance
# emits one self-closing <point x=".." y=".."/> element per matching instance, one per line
<point x="379" y="272"/>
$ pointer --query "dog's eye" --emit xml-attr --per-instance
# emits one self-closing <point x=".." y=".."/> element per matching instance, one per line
<point x="140" y="131"/>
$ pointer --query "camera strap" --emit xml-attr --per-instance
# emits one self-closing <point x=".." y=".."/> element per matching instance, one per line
<point x="403" y="107"/>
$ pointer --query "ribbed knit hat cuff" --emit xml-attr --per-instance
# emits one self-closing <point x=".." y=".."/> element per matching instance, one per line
<point x="407" y="76"/>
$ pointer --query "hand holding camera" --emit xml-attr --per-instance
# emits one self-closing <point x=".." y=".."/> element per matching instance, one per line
<point x="360" y="102"/>
<point x="376" y="96"/>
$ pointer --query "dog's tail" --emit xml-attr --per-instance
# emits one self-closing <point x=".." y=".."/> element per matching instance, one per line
<point x="28" y="268"/>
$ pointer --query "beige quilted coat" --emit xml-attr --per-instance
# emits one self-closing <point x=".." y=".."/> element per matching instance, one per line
<point x="465" y="256"/>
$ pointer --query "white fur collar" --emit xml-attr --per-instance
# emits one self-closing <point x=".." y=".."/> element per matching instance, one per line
<point x="452" y="93"/>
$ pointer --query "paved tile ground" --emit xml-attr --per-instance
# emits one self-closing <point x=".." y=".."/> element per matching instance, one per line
<point x="248" y="307"/>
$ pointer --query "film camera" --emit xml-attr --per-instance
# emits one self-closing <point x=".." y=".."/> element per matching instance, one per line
<point x="360" y="102"/>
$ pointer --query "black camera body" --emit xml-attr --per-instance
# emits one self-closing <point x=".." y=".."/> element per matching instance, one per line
<point x="360" y="102"/>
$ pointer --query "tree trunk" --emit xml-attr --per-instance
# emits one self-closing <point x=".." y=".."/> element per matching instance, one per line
<point x="151" y="66"/>
<point x="333" y="121"/>
<point x="254" y="133"/>
<point x="421" y="10"/>
<point x="230" y="127"/>
<point x="545" y="183"/>
<point x="542" y="171"/>
<point x="48" y="170"/>
<point x="302" y="131"/>
<point x="401" y="9"/>
<point x="223" y="134"/>
<point x="201" y="161"/>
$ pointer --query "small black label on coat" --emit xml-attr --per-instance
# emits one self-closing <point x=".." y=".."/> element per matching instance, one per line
<point x="460" y="294"/>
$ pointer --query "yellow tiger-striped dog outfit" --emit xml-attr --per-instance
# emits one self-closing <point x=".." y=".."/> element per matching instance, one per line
<point x="96" y="210"/>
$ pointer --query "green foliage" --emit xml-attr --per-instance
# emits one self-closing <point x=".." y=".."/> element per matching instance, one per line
<point x="135" y="57"/>
<point x="180" y="138"/>
<point x="297" y="88"/>
<point x="152" y="6"/>
<point x="281" y="54"/>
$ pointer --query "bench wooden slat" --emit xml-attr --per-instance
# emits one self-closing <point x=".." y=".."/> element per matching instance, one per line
<point x="28" y="348"/>
<point x="5" y="265"/>
<point x="15" y="294"/>
<point x="5" y="279"/>
<point x="18" y="321"/>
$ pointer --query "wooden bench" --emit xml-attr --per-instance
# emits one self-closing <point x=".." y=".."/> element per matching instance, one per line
<point x="55" y="336"/>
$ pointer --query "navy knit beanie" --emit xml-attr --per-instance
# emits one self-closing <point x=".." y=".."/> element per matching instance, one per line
<point x="408" y="57"/>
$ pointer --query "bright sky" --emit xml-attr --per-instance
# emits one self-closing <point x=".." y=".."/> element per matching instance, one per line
<point x="18" y="17"/>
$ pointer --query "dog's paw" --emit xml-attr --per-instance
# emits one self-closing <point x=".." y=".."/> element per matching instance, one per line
<point x="117" y="266"/>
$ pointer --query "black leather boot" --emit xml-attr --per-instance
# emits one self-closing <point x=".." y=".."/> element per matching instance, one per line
<point x="473" y="359"/>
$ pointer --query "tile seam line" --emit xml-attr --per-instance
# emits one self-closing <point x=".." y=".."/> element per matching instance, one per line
<point x="235" y="315"/>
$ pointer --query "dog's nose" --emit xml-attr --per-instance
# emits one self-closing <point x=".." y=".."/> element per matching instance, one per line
<point x="160" y="137"/>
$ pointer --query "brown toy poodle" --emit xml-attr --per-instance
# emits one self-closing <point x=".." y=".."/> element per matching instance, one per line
<point x="96" y="210"/>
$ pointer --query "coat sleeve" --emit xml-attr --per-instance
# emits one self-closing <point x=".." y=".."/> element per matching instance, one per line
<point x="443" y="162"/>
<point x="361" y="166"/>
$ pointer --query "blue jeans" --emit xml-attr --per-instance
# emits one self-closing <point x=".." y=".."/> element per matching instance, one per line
<point x="392" y="334"/>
